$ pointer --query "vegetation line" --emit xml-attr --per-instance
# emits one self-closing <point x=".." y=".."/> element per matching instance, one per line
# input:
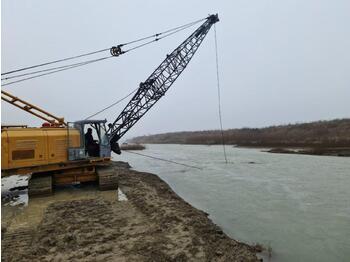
<point x="334" y="133"/>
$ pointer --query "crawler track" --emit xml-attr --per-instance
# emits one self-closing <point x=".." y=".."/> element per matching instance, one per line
<point x="40" y="186"/>
<point x="107" y="178"/>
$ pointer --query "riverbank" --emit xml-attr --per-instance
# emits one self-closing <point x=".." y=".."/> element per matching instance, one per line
<point x="151" y="224"/>
<point x="332" y="134"/>
<point x="272" y="199"/>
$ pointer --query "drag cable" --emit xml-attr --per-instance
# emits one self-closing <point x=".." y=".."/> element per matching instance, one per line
<point x="162" y="159"/>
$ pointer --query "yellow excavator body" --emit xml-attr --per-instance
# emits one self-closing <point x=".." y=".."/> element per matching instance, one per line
<point x="29" y="147"/>
<point x="43" y="154"/>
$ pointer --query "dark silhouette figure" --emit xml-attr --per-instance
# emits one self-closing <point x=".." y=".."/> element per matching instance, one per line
<point x="90" y="145"/>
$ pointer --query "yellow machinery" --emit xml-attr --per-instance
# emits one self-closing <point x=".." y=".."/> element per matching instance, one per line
<point x="44" y="152"/>
<point x="61" y="153"/>
<point x="26" y="147"/>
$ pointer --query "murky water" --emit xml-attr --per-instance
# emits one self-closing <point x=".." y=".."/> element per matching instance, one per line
<point x="298" y="205"/>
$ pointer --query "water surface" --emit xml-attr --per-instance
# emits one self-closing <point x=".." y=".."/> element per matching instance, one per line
<point x="299" y="205"/>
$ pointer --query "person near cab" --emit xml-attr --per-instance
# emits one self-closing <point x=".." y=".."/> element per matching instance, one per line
<point x="90" y="145"/>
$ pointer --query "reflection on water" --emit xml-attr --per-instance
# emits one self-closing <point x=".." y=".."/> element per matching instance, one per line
<point x="298" y="205"/>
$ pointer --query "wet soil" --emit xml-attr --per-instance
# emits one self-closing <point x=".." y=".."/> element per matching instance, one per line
<point x="154" y="224"/>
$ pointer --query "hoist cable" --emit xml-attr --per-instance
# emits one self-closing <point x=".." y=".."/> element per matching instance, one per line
<point x="158" y="38"/>
<point x="115" y="103"/>
<point x="164" y="32"/>
<point x="59" y="70"/>
<point x="219" y="95"/>
<point x="106" y="49"/>
<point x="55" y="61"/>
<point x="165" y="160"/>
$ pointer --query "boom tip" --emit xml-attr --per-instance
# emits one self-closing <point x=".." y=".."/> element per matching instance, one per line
<point x="213" y="18"/>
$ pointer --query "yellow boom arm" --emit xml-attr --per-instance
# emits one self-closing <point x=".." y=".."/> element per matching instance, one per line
<point x="32" y="109"/>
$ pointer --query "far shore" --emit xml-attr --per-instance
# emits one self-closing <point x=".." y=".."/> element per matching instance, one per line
<point x="329" y="151"/>
<point x="132" y="147"/>
<point x="285" y="149"/>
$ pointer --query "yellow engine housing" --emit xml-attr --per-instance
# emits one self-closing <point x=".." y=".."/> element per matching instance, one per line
<point x="27" y="147"/>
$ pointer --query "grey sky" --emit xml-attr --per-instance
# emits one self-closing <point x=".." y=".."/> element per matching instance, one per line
<point x="280" y="61"/>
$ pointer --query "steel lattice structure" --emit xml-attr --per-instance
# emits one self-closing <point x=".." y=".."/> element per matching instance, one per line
<point x="159" y="81"/>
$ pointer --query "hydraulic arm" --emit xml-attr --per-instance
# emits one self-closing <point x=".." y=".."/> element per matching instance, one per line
<point x="156" y="85"/>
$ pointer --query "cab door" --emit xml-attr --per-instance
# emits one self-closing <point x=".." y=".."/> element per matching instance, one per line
<point x="105" y="148"/>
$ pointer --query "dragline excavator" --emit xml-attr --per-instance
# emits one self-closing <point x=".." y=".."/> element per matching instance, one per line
<point x="58" y="152"/>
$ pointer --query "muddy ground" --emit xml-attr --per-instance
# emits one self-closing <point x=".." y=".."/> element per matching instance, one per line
<point x="154" y="224"/>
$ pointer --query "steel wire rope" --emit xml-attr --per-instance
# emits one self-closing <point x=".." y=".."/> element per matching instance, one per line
<point x="219" y="93"/>
<point x="159" y="38"/>
<point x="111" y="105"/>
<point x="103" y="50"/>
<point x="163" y="159"/>
<point x="156" y="40"/>
<point x="54" y="68"/>
<point x="70" y="66"/>
<point x="55" y="61"/>
<point x="56" y="71"/>
<point x="120" y="100"/>
<point x="164" y="32"/>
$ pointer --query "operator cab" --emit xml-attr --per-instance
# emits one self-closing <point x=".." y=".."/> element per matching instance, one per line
<point x="93" y="140"/>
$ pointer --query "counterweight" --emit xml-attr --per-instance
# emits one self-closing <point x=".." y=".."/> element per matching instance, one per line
<point x="156" y="85"/>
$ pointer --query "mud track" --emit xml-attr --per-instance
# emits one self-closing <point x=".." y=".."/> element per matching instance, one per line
<point x="154" y="224"/>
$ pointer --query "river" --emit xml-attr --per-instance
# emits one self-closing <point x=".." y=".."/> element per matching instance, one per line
<point x="298" y="205"/>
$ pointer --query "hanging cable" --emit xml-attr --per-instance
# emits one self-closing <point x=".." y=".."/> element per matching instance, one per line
<point x="165" y="160"/>
<point x="115" y="103"/>
<point x="219" y="95"/>
<point x="56" y="71"/>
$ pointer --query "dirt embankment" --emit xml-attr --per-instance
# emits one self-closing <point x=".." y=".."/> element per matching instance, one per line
<point x="154" y="224"/>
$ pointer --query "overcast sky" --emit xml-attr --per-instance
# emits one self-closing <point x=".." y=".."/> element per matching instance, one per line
<point x="280" y="61"/>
